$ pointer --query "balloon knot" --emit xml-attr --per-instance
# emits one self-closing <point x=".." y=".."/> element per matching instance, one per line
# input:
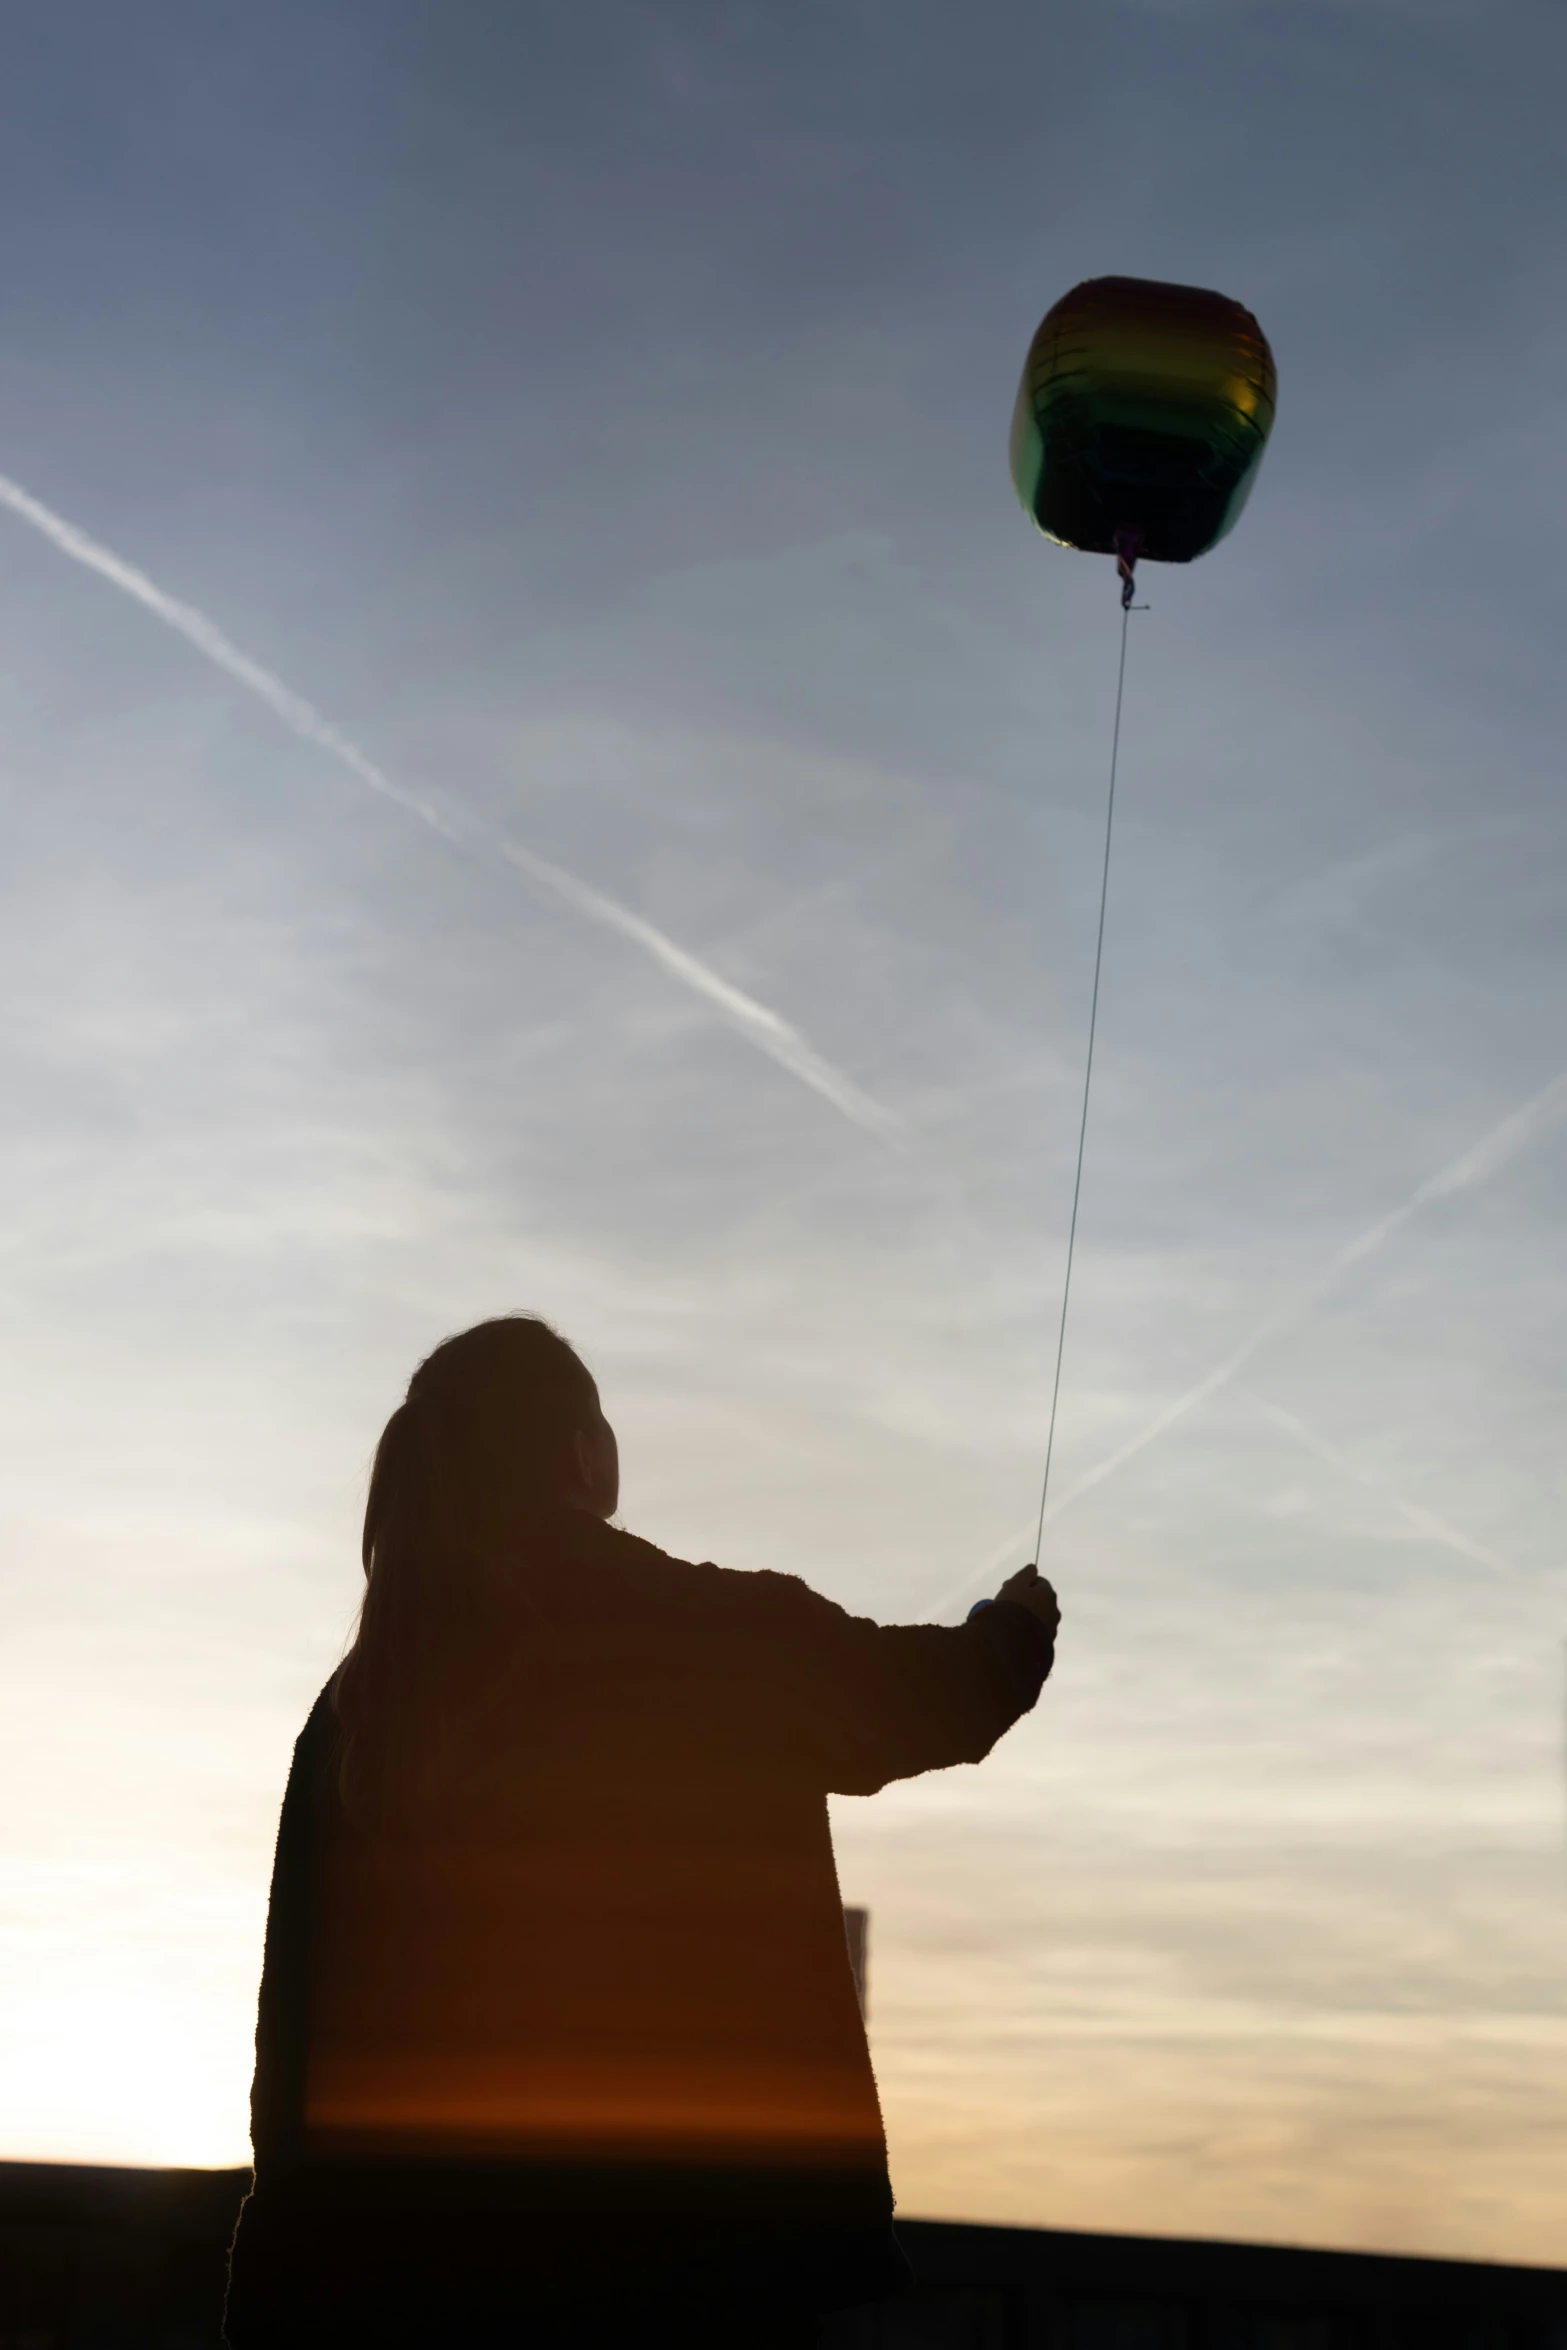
<point x="1127" y="543"/>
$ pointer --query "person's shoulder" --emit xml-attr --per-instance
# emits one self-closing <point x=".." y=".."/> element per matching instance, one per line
<point x="759" y="1591"/>
<point x="314" y="1758"/>
<point x="321" y="1721"/>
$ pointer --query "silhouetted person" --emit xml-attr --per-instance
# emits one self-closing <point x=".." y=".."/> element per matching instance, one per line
<point x="558" y="2039"/>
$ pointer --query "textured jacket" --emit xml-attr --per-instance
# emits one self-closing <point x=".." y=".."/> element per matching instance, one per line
<point x="588" y="2025"/>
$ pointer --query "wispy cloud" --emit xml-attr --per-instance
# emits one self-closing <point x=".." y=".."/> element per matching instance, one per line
<point x="757" y="1022"/>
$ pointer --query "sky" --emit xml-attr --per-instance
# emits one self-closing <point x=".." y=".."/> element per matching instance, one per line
<point x="542" y="767"/>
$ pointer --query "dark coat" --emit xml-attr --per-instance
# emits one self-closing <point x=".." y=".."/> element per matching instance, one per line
<point x="588" y="2033"/>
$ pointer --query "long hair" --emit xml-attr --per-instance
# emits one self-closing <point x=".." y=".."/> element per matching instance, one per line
<point x="479" y="1449"/>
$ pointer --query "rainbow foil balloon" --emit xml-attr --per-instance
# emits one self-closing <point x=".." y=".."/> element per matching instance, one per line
<point x="1141" y="419"/>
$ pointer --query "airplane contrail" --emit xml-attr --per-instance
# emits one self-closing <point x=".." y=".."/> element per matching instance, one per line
<point x="1487" y="1157"/>
<point x="978" y="1579"/>
<point x="1423" y="1521"/>
<point x="1500" y="1144"/>
<point x="766" y="1029"/>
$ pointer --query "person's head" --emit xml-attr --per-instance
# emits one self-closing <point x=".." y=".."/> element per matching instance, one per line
<point x="501" y="1427"/>
<point x="499" y="1423"/>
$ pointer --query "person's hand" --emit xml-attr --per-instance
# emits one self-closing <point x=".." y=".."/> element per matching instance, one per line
<point x="1028" y="1588"/>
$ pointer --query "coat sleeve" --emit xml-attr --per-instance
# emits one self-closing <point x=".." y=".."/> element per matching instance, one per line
<point x="859" y="1703"/>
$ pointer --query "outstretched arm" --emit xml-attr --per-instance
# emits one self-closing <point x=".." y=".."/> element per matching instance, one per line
<point x="865" y="1703"/>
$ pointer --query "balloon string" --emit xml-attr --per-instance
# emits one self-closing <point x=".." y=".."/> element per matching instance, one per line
<point x="1088" y="1073"/>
